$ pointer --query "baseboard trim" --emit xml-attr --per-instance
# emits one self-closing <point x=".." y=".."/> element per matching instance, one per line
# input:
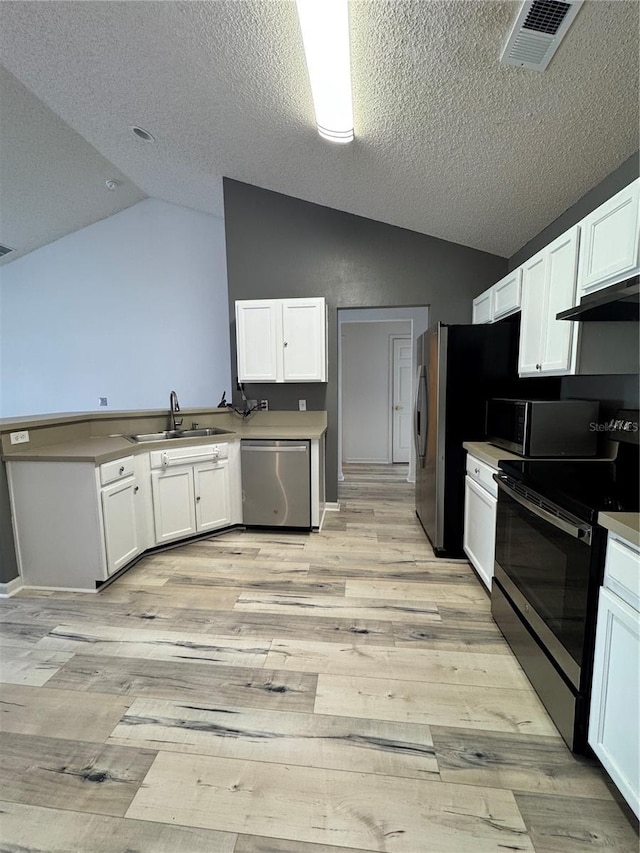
<point x="11" y="587"/>
<point x="332" y="506"/>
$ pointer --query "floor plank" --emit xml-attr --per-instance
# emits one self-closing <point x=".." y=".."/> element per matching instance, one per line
<point x="255" y="844"/>
<point x="573" y="825"/>
<point x="433" y="704"/>
<point x="20" y="665"/>
<point x="351" y="608"/>
<point x="518" y="762"/>
<point x="307" y="804"/>
<point x="308" y="740"/>
<point x="443" y="667"/>
<point x="249" y="688"/>
<point x="29" y="711"/>
<point x="46" y="771"/>
<point x="59" y="831"/>
<point x="158" y="645"/>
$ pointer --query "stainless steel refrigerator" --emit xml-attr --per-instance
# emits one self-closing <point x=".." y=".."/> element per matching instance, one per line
<point x="460" y="367"/>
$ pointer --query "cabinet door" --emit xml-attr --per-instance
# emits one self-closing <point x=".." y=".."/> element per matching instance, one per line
<point x="506" y="295"/>
<point x="211" y="484"/>
<point x="304" y="340"/>
<point x="120" y="523"/>
<point x="481" y="312"/>
<point x="533" y="314"/>
<point x="558" y="351"/>
<point x="173" y="503"/>
<point x="610" y="241"/>
<point x="615" y="711"/>
<point x="479" y="538"/>
<point x="258" y="336"/>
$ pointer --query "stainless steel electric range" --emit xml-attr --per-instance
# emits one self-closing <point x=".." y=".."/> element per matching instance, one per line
<point x="549" y="565"/>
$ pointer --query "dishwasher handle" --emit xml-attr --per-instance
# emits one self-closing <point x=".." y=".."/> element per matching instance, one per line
<point x="265" y="448"/>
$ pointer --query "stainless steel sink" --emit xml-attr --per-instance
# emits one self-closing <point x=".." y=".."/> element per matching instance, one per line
<point x="169" y="434"/>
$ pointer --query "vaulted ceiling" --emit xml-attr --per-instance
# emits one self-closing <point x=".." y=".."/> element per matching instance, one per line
<point x="448" y="141"/>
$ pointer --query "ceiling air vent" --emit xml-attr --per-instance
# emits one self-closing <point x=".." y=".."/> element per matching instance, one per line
<point x="4" y="250"/>
<point x="538" y="31"/>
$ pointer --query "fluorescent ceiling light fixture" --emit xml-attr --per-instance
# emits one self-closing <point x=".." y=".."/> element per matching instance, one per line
<point x="325" y="35"/>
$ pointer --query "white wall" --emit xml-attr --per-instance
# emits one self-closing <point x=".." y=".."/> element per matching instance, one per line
<point x="366" y="389"/>
<point x="128" y="308"/>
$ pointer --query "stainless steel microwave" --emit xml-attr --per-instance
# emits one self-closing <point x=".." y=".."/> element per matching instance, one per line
<point x="543" y="428"/>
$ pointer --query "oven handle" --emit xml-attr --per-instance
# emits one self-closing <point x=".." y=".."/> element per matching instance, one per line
<point x="561" y="521"/>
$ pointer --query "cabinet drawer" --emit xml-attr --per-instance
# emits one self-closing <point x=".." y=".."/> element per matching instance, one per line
<point x="482" y="474"/>
<point x="116" y="470"/>
<point x="622" y="571"/>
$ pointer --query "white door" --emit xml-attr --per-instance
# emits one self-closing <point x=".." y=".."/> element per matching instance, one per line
<point x="173" y="503"/>
<point x="120" y="523"/>
<point x="402" y="397"/>
<point x="557" y="340"/>
<point x="211" y="484"/>
<point x="258" y="336"/>
<point x="304" y="346"/>
<point x="532" y="321"/>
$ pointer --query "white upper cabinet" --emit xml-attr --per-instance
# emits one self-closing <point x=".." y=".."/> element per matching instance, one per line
<point x="547" y="345"/>
<point x="506" y="295"/>
<point x="610" y="241"/>
<point x="499" y="301"/>
<point x="282" y="340"/>
<point x="482" y="308"/>
<point x="258" y="331"/>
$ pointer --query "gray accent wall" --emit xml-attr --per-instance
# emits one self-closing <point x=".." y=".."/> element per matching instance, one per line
<point x="613" y="183"/>
<point x="8" y="562"/>
<point x="282" y="247"/>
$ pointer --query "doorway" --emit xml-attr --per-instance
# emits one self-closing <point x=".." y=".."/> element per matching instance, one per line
<point x="376" y="367"/>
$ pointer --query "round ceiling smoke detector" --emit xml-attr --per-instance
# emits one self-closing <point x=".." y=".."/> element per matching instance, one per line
<point x="143" y="134"/>
<point x="111" y="184"/>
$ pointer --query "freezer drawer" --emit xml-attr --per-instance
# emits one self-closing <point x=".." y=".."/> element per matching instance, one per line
<point x="276" y="483"/>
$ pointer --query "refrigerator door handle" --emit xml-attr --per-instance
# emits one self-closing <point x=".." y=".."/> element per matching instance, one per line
<point x="420" y="425"/>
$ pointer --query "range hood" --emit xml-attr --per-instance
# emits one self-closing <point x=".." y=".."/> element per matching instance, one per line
<point x="616" y="302"/>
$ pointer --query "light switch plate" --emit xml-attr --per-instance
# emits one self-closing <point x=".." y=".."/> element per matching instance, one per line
<point x="302" y="405"/>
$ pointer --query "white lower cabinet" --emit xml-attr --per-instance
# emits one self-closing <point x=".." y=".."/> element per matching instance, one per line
<point x="615" y="697"/>
<point x="120" y="520"/>
<point x="480" y="507"/>
<point x="74" y="523"/>
<point x="194" y="498"/>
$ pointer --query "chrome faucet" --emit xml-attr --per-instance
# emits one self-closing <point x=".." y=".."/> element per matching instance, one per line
<point x="174" y="407"/>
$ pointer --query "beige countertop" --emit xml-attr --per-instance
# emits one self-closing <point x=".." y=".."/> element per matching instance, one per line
<point x="488" y="453"/>
<point x="72" y="441"/>
<point x="624" y="524"/>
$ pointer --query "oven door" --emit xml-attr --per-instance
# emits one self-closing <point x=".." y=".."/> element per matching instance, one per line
<point x="543" y="564"/>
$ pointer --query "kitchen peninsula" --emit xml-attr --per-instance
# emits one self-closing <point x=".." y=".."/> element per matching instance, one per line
<point x="88" y="499"/>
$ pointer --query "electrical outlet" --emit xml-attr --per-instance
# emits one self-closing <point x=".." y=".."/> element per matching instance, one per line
<point x="102" y="401"/>
<point x="302" y="405"/>
<point x="264" y="405"/>
<point x="21" y="437"/>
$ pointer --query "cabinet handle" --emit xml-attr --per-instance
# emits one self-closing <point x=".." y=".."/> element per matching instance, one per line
<point x="121" y="469"/>
<point x="476" y="470"/>
<point x="286" y="344"/>
<point x="135" y="491"/>
<point x="198" y="498"/>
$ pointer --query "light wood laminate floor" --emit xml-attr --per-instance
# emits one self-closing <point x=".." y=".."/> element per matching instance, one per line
<point x="271" y="692"/>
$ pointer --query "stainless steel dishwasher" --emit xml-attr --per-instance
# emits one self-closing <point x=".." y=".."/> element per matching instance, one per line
<point x="276" y="483"/>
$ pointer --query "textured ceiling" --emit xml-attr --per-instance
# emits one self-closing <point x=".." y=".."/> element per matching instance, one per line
<point x="448" y="141"/>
